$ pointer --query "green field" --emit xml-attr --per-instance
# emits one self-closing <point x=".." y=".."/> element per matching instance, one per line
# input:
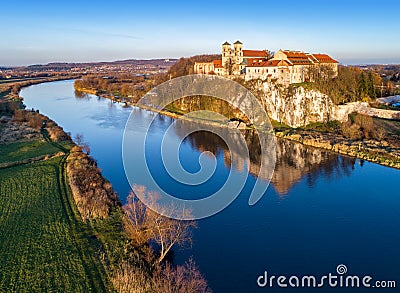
<point x="18" y="151"/>
<point x="44" y="246"/>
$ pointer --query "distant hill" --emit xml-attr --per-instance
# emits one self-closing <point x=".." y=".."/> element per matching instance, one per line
<point x="60" y="66"/>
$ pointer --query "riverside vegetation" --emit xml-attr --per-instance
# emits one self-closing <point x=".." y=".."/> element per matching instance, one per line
<point x="63" y="227"/>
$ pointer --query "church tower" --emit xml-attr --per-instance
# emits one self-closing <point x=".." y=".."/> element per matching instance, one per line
<point x="226" y="52"/>
<point x="238" y="52"/>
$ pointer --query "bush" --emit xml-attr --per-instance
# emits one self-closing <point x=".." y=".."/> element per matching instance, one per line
<point x="165" y="278"/>
<point x="366" y="124"/>
<point x="351" y="131"/>
<point x="362" y="126"/>
<point x="57" y="134"/>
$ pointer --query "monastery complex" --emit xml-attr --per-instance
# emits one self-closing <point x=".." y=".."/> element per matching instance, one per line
<point x="284" y="66"/>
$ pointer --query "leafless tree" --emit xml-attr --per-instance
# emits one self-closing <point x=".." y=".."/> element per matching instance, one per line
<point x="182" y="279"/>
<point x="79" y="139"/>
<point x="148" y="225"/>
<point x="81" y="143"/>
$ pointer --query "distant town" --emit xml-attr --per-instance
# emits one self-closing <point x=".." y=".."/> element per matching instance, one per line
<point x="153" y="66"/>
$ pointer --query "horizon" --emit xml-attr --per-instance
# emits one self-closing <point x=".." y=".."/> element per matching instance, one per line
<point x="356" y="33"/>
<point x="162" y="58"/>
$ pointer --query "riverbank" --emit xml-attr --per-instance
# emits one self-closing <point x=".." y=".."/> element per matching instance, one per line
<point x="10" y="90"/>
<point x="380" y="152"/>
<point x="39" y="160"/>
<point x="104" y="251"/>
<point x="384" y="152"/>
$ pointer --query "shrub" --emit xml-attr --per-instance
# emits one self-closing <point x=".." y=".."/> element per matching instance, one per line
<point x="351" y="131"/>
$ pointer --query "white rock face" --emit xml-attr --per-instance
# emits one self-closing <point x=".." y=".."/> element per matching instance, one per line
<point x="302" y="106"/>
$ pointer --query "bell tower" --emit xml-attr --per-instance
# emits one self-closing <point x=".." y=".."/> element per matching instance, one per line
<point x="238" y="52"/>
<point x="226" y="52"/>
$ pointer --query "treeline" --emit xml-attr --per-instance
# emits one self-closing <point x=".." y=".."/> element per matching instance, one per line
<point x="185" y="66"/>
<point x="352" y="84"/>
<point x="38" y="121"/>
<point x="390" y="72"/>
<point x="123" y="85"/>
<point x="134" y="87"/>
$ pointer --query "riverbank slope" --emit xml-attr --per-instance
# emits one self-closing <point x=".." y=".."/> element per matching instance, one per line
<point x="385" y="151"/>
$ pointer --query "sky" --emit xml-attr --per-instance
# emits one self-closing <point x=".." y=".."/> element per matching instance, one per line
<point x="353" y="32"/>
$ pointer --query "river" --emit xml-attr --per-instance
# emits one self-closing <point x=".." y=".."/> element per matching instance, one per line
<point x="321" y="210"/>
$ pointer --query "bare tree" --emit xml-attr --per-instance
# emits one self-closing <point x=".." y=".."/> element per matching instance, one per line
<point x="147" y="225"/>
<point x="79" y="139"/>
<point x="81" y="143"/>
<point x="182" y="279"/>
<point x="138" y="224"/>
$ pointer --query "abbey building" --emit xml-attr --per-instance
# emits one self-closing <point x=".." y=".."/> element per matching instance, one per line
<point x="284" y="66"/>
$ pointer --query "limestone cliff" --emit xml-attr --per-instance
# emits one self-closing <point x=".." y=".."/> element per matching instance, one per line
<point x="297" y="106"/>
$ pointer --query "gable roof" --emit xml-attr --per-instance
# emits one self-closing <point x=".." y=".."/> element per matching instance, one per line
<point x="217" y="63"/>
<point x="298" y="58"/>
<point x="323" y="58"/>
<point x="254" y="53"/>
<point x="269" y="63"/>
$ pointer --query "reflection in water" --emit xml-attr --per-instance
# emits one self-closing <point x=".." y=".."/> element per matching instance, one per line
<point x="82" y="95"/>
<point x="294" y="161"/>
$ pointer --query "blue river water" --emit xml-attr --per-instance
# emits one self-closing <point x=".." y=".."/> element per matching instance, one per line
<point x="321" y="210"/>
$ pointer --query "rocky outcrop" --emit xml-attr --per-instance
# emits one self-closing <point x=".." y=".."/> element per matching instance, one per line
<point x="381" y="152"/>
<point x="297" y="106"/>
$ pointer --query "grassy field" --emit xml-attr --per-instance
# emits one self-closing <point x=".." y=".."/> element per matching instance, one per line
<point x="44" y="246"/>
<point x="23" y="150"/>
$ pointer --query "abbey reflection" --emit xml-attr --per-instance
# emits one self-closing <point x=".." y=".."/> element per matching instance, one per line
<point x="294" y="161"/>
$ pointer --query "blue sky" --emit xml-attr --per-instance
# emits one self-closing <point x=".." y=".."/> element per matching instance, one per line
<point x="48" y="31"/>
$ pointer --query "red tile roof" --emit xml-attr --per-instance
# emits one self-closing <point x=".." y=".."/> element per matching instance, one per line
<point x="217" y="63"/>
<point x="269" y="63"/>
<point x="298" y="58"/>
<point x="324" y="58"/>
<point x="295" y="54"/>
<point x="254" y="53"/>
